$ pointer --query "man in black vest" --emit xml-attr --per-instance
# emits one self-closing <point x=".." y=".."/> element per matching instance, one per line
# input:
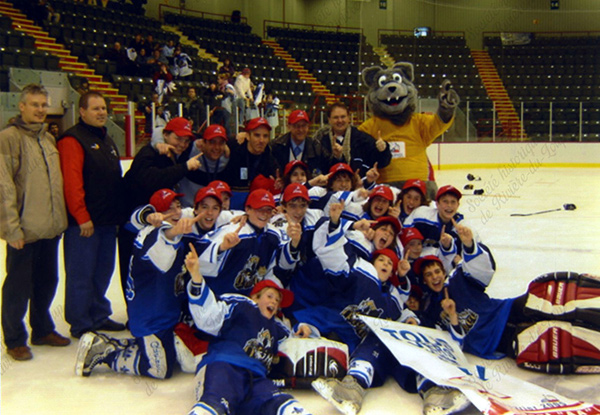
<point x="93" y="192"/>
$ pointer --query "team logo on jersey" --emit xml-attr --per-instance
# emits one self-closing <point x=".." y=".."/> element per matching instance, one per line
<point x="250" y="274"/>
<point x="278" y="223"/>
<point x="179" y="283"/>
<point x="130" y="289"/>
<point x="261" y="348"/>
<point x="466" y="319"/>
<point x="367" y="307"/>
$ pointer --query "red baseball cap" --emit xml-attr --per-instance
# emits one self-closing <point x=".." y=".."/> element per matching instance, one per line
<point x="246" y="71"/>
<point x="255" y="123"/>
<point x="408" y="234"/>
<point x="418" y="264"/>
<point x="388" y="219"/>
<point x="162" y="199"/>
<point x="214" y="131"/>
<point x="415" y="184"/>
<point x="298" y="115"/>
<point x="221" y="187"/>
<point x="207" y="192"/>
<point x="260" y="198"/>
<point x="262" y="182"/>
<point x="390" y="254"/>
<point x="179" y="126"/>
<point x="382" y="191"/>
<point x="336" y="168"/>
<point x="295" y="190"/>
<point x="292" y="164"/>
<point x="287" y="297"/>
<point x="448" y="189"/>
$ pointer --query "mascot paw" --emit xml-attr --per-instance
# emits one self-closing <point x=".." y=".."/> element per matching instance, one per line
<point x="448" y="96"/>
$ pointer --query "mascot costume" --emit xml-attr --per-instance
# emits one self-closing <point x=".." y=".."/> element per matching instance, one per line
<point x="392" y="99"/>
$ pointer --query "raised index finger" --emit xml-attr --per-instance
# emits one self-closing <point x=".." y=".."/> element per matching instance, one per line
<point x="197" y="156"/>
<point x="193" y="250"/>
<point x="241" y="225"/>
<point x="446" y="295"/>
<point x="454" y="222"/>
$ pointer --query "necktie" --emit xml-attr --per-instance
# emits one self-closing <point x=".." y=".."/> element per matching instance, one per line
<point x="297" y="151"/>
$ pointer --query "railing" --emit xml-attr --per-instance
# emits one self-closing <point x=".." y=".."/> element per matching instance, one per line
<point x="411" y="33"/>
<point x="224" y="17"/>
<point x="289" y="25"/>
<point x="546" y="35"/>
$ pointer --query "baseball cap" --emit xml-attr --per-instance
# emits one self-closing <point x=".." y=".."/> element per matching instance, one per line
<point x="448" y="189"/>
<point x="207" y="192"/>
<point x="298" y="115"/>
<point x="390" y="254"/>
<point x="287" y="297"/>
<point x="262" y="182"/>
<point x="162" y="199"/>
<point x="409" y="234"/>
<point x="388" y="219"/>
<point x="382" y="191"/>
<point x="336" y="168"/>
<point x="214" y="131"/>
<point x="415" y="184"/>
<point x="418" y="264"/>
<point x="221" y="187"/>
<point x="293" y="164"/>
<point x="295" y="190"/>
<point x="246" y="71"/>
<point x="254" y="123"/>
<point x="180" y="126"/>
<point x="260" y="198"/>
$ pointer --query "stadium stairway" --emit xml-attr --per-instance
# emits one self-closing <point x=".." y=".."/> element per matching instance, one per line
<point x="385" y="58"/>
<point x="67" y="62"/>
<point x="507" y="115"/>
<point x="318" y="88"/>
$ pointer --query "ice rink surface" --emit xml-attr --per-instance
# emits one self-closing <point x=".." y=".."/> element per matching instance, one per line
<point x="524" y="247"/>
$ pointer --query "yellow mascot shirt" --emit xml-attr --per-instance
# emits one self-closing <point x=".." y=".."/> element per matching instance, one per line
<point x="408" y="144"/>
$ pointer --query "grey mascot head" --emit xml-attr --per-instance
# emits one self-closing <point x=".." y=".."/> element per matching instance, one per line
<point x="392" y="94"/>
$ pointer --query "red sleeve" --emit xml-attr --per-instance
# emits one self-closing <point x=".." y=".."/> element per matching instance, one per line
<point x="71" y="164"/>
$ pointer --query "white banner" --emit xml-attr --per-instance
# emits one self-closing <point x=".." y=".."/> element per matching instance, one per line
<point x="436" y="356"/>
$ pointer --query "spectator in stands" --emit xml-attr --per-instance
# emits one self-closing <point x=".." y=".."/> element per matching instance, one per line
<point x="163" y="82"/>
<point x="212" y="97"/>
<point x="244" y="92"/>
<point x="119" y="56"/>
<point x="182" y="64"/>
<point x="168" y="49"/>
<point x="33" y="218"/>
<point x="163" y="116"/>
<point x="227" y="102"/>
<point x="272" y="111"/>
<point x="53" y="129"/>
<point x="138" y="43"/>
<point x="156" y="59"/>
<point x="150" y="45"/>
<point x="42" y="12"/>
<point x="296" y="145"/>
<point x="194" y="109"/>
<point x="83" y="87"/>
<point x="228" y="69"/>
<point x="146" y="107"/>
<point x="344" y="143"/>
<point x="94" y="193"/>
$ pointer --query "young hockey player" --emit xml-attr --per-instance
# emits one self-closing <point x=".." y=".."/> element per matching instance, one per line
<point x="232" y="376"/>
<point x="155" y="299"/>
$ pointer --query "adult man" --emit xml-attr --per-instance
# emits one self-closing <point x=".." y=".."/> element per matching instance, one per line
<point x="344" y="143"/>
<point x="93" y="191"/>
<point x="194" y="108"/>
<point x="296" y="145"/>
<point x="32" y="219"/>
<point x="249" y="160"/>
<point x="243" y="90"/>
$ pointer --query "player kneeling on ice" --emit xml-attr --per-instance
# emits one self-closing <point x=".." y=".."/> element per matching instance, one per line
<point x="155" y="300"/>
<point x="232" y="376"/>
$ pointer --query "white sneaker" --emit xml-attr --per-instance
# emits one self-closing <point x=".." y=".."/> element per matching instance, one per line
<point x="444" y="401"/>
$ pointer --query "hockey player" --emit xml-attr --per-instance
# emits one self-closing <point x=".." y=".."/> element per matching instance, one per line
<point x="232" y="376"/>
<point x="433" y="222"/>
<point x="237" y="256"/>
<point x="155" y="300"/>
<point x="412" y="196"/>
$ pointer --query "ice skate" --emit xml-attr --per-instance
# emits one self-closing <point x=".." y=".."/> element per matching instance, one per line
<point x="444" y="401"/>
<point x="92" y="350"/>
<point x="346" y="396"/>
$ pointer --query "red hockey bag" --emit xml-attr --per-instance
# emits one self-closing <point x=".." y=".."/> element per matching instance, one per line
<point x="300" y="361"/>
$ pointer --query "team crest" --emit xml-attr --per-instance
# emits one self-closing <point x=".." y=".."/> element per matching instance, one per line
<point x="466" y="319"/>
<point x="179" y="284"/>
<point x="250" y="274"/>
<point x="261" y="348"/>
<point x="366" y="307"/>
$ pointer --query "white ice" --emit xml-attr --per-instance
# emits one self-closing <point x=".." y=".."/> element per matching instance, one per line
<point x="524" y="247"/>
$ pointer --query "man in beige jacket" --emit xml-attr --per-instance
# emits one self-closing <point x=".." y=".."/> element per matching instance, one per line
<point x="32" y="218"/>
